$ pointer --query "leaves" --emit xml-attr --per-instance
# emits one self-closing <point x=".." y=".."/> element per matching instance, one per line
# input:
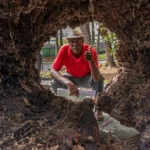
<point x="108" y="36"/>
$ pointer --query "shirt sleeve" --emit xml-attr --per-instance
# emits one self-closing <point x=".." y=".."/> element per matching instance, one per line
<point x="59" y="61"/>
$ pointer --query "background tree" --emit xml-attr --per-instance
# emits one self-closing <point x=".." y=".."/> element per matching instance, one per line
<point x="58" y="41"/>
<point x="86" y="31"/>
<point x="110" y="42"/>
<point x="61" y="37"/>
<point x="56" y="44"/>
<point x="93" y="33"/>
<point x="39" y="61"/>
<point x="98" y="40"/>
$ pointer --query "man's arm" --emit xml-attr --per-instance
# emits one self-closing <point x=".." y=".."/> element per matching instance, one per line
<point x="57" y="76"/>
<point x="95" y="73"/>
<point x="71" y="86"/>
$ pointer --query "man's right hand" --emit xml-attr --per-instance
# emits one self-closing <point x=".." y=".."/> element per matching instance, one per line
<point x="71" y="86"/>
<point x="72" y="89"/>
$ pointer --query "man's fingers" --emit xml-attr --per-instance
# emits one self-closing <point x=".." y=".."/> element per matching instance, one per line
<point x="74" y="93"/>
<point x="71" y="93"/>
<point x="90" y="48"/>
<point x="77" y="94"/>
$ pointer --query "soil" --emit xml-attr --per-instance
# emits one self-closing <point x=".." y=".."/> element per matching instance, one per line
<point x="25" y="26"/>
<point x="108" y="72"/>
<point x="36" y="119"/>
<point x="48" y="59"/>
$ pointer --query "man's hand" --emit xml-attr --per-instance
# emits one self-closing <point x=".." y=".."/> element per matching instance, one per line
<point x="88" y="55"/>
<point x="94" y="68"/>
<point x="73" y="89"/>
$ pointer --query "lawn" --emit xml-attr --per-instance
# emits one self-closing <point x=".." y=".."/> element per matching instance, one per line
<point x="102" y="56"/>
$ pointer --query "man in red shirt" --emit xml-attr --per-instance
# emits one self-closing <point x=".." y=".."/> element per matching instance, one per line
<point x="81" y="65"/>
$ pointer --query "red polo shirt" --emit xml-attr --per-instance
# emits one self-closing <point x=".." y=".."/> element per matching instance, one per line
<point x="78" y="67"/>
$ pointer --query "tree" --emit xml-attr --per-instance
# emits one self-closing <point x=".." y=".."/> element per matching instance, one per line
<point x="93" y="33"/>
<point x="56" y="44"/>
<point x="58" y="41"/>
<point x="86" y="31"/>
<point x="39" y="61"/>
<point x="61" y="37"/>
<point x="98" y="40"/>
<point x="110" y="42"/>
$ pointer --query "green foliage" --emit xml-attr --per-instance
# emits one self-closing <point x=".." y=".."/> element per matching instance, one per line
<point x="65" y="41"/>
<point x="109" y="37"/>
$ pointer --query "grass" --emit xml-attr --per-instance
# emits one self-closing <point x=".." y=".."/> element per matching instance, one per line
<point x="102" y="56"/>
<point x="45" y="74"/>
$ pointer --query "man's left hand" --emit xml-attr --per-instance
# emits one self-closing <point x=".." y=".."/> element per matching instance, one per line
<point x="88" y="56"/>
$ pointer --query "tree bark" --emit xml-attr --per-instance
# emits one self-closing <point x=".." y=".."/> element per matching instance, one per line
<point x="109" y="57"/>
<point x="38" y="63"/>
<point x="86" y="31"/>
<point x="56" y="45"/>
<point x="93" y="33"/>
<point x="61" y="37"/>
<point x="98" y="40"/>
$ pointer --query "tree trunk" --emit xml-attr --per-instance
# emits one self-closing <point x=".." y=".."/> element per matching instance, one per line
<point x="61" y="37"/>
<point x="86" y="31"/>
<point x="56" y="45"/>
<point x="93" y="33"/>
<point x="39" y="62"/>
<point x="109" y="57"/>
<point x="98" y="40"/>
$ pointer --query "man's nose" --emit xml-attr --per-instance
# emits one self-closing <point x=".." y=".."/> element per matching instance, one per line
<point x="74" y="43"/>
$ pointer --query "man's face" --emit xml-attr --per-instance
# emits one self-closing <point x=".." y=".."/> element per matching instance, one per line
<point x="76" y="45"/>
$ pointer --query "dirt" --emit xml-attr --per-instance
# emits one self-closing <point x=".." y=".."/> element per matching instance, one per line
<point x="108" y="72"/>
<point x="48" y="59"/>
<point x="26" y="25"/>
<point x="34" y="118"/>
<point x="37" y="119"/>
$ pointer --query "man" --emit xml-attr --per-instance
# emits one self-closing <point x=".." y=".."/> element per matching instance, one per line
<point x="81" y="64"/>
